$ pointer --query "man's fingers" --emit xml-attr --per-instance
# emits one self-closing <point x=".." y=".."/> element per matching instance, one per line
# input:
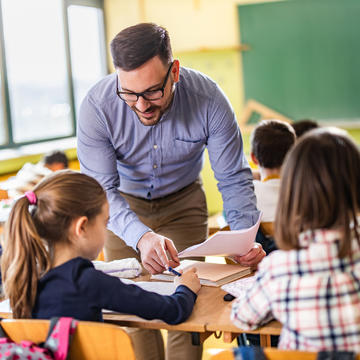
<point x="149" y="268"/>
<point x="153" y="267"/>
<point x="161" y="256"/>
<point x="253" y="261"/>
<point x="170" y="247"/>
<point x="173" y="263"/>
<point x="155" y="261"/>
<point x="252" y="254"/>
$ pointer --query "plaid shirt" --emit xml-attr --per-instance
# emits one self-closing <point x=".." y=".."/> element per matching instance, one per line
<point x="312" y="292"/>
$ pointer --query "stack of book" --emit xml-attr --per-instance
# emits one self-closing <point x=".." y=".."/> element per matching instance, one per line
<point x="209" y="274"/>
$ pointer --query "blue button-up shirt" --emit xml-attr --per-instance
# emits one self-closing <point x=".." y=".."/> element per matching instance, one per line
<point x="154" y="161"/>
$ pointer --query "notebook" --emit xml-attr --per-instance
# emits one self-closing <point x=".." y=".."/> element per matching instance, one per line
<point x="239" y="287"/>
<point x="210" y="274"/>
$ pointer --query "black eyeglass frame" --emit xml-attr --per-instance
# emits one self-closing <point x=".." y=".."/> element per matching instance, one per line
<point x="143" y="94"/>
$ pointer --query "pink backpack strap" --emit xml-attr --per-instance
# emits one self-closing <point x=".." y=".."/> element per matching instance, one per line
<point x="59" y="336"/>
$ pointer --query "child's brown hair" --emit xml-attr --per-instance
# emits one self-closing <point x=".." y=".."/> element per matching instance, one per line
<point x="319" y="189"/>
<point x="270" y="142"/>
<point x="32" y="230"/>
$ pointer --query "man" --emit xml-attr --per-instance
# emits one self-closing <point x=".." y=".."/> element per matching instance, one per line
<point x="142" y="133"/>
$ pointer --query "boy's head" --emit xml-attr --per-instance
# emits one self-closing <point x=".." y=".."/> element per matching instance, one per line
<point x="270" y="141"/>
<point x="303" y="126"/>
<point x="56" y="160"/>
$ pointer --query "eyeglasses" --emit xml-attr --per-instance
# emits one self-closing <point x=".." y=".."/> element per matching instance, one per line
<point x="149" y="95"/>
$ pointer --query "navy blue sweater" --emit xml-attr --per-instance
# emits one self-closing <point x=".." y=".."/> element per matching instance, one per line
<point x="78" y="290"/>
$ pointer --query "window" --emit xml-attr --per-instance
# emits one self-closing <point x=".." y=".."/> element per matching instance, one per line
<point x="2" y="120"/>
<point x="86" y="48"/>
<point x="54" y="50"/>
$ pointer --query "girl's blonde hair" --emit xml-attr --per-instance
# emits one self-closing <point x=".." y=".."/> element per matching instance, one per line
<point x="32" y="230"/>
<point x="319" y="189"/>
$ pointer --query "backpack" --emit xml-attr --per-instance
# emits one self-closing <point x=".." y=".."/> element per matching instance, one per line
<point x="55" y="347"/>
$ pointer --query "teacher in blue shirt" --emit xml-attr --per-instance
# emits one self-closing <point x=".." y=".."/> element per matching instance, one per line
<point x="142" y="133"/>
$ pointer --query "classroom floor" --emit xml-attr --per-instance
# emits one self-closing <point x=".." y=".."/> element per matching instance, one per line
<point x="211" y="345"/>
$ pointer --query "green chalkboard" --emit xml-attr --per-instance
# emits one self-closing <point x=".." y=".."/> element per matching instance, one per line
<point x="304" y="57"/>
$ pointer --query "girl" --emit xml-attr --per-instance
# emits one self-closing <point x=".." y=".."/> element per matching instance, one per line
<point x="51" y="236"/>
<point x="312" y="284"/>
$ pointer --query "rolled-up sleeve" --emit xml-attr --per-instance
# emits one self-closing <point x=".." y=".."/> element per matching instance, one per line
<point x="231" y="169"/>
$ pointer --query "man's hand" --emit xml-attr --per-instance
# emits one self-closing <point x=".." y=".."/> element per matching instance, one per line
<point x="253" y="257"/>
<point x="153" y="248"/>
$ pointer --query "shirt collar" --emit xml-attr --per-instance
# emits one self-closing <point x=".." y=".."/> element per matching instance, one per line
<point x="322" y="235"/>
<point x="318" y="236"/>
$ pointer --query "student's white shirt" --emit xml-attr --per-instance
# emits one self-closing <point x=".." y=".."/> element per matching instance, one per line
<point x="267" y="194"/>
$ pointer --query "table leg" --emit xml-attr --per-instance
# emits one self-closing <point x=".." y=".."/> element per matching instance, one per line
<point x="198" y="338"/>
<point x="229" y="336"/>
<point x="265" y="340"/>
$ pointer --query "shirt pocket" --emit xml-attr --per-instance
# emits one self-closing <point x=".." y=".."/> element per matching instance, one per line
<point x="184" y="149"/>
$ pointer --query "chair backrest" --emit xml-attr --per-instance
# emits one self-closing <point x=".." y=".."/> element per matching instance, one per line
<point x="274" y="354"/>
<point x="267" y="228"/>
<point x="91" y="341"/>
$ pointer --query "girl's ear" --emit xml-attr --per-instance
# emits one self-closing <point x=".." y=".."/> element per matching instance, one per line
<point x="80" y="225"/>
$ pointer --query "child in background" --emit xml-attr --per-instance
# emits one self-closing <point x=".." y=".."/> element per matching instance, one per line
<point x="303" y="126"/>
<point x="312" y="285"/>
<point x="270" y="142"/>
<point x="52" y="234"/>
<point x="55" y="160"/>
<point x="30" y="174"/>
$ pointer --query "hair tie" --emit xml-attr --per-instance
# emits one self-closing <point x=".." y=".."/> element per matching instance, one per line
<point x="31" y="197"/>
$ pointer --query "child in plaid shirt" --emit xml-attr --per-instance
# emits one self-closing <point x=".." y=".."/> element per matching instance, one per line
<point x="312" y="285"/>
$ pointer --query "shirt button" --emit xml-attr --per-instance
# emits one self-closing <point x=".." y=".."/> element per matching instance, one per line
<point x="155" y="166"/>
<point x="155" y="146"/>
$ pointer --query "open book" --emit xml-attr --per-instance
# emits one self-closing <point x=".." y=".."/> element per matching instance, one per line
<point x="209" y="274"/>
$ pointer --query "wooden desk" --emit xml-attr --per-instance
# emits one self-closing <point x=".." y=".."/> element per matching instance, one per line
<point x="218" y="319"/>
<point x="211" y="314"/>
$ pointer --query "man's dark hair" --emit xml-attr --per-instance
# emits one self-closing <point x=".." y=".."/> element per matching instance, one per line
<point x="270" y="141"/>
<point x="303" y="126"/>
<point x="137" y="44"/>
<point x="56" y="157"/>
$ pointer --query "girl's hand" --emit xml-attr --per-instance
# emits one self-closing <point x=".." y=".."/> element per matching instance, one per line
<point x="189" y="279"/>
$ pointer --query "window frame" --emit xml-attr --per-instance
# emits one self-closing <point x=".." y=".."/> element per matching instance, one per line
<point x="5" y="97"/>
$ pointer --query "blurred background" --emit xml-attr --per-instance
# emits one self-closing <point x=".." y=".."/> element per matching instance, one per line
<point x="292" y="59"/>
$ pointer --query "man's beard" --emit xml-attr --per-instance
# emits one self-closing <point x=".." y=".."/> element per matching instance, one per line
<point x="151" y="120"/>
<point x="154" y="108"/>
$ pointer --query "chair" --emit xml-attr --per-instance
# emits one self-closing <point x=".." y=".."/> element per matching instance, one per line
<point x="91" y="341"/>
<point x="274" y="354"/>
<point x="267" y="228"/>
<point x="100" y="256"/>
<point x="3" y="194"/>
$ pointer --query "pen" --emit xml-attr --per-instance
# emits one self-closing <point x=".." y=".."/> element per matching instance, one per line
<point x="174" y="271"/>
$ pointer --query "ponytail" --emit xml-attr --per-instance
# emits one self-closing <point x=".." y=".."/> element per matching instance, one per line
<point x="24" y="260"/>
<point x="38" y="221"/>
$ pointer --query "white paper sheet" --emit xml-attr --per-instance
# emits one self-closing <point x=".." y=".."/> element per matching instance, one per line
<point x="225" y="243"/>
<point x="5" y="306"/>
<point x="159" y="287"/>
